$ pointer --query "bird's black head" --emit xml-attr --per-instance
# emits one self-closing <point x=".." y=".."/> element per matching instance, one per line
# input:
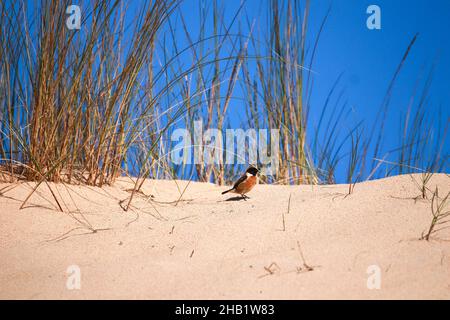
<point x="252" y="170"/>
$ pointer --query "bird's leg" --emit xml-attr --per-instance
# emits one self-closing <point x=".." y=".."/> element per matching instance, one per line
<point x="245" y="197"/>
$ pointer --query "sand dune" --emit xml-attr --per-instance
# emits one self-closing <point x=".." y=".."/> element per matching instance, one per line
<point x="203" y="247"/>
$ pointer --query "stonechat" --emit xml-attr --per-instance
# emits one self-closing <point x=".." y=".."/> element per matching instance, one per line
<point x="245" y="183"/>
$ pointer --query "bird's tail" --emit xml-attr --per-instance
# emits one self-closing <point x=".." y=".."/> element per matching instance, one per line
<point x="227" y="191"/>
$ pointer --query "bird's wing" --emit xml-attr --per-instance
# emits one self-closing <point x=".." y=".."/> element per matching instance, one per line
<point x="241" y="179"/>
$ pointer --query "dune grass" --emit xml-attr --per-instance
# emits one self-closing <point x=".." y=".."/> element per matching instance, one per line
<point x="70" y="108"/>
<point x="440" y="215"/>
<point x="88" y="106"/>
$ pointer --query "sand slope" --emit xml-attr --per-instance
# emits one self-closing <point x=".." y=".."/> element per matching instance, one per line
<point x="208" y="248"/>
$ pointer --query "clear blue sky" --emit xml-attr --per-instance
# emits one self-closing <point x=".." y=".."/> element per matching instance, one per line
<point x="369" y="58"/>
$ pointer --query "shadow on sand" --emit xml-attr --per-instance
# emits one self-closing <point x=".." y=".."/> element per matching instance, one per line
<point x="238" y="198"/>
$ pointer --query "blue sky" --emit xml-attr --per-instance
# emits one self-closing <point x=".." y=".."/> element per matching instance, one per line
<point x="369" y="58"/>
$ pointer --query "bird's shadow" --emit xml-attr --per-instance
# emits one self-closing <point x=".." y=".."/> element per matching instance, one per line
<point x="238" y="198"/>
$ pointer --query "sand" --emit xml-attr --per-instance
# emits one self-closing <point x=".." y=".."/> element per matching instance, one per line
<point x="203" y="247"/>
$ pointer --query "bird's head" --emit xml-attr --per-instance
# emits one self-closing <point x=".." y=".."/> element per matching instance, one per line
<point x="252" y="170"/>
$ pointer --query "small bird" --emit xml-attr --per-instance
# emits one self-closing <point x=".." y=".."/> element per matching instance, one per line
<point x="245" y="183"/>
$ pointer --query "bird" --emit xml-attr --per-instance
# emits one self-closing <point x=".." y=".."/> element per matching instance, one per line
<point x="245" y="183"/>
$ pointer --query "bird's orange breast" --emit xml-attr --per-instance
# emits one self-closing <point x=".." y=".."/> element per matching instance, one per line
<point x="246" y="185"/>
